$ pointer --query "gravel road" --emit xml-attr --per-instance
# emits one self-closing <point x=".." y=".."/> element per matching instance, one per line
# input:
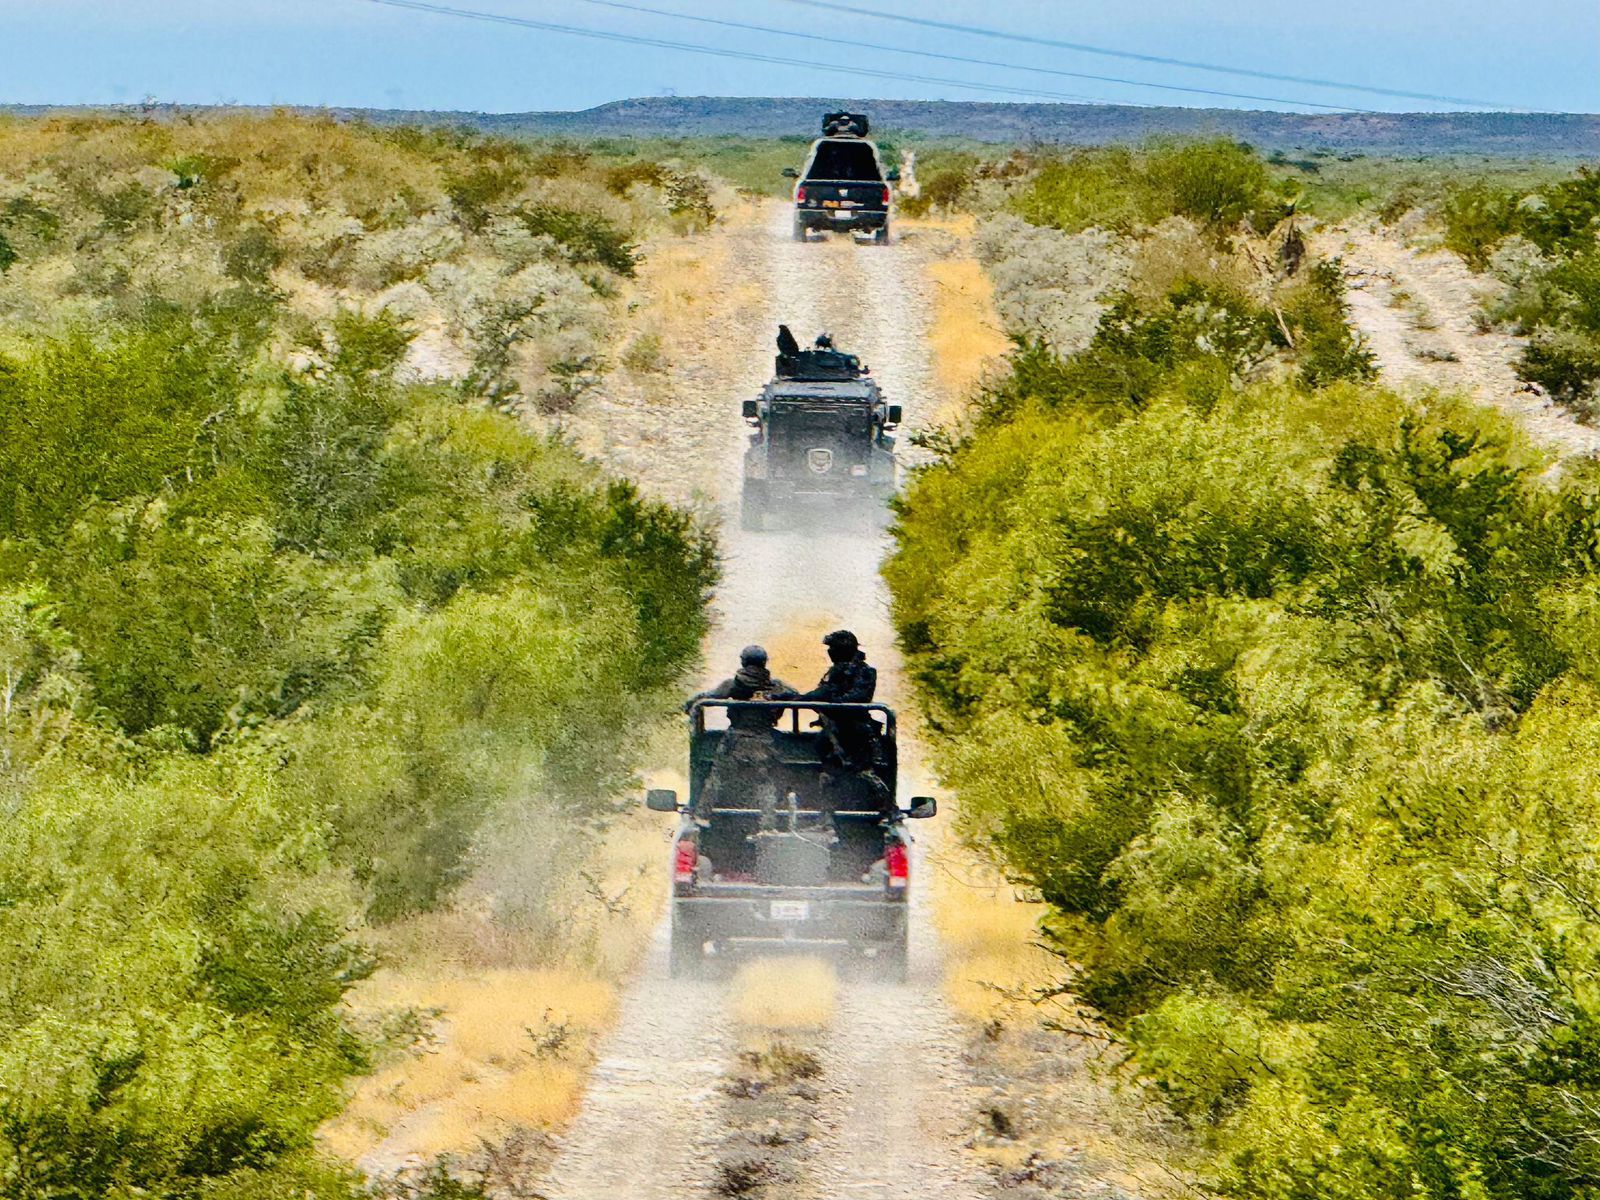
<point x="896" y="1100"/>
<point x="1417" y="309"/>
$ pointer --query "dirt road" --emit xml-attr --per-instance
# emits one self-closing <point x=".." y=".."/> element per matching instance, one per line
<point x="1418" y="308"/>
<point x="894" y="1101"/>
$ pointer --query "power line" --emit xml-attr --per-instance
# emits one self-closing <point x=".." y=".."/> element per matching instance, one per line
<point x="720" y="52"/>
<point x="961" y="58"/>
<point x="978" y="31"/>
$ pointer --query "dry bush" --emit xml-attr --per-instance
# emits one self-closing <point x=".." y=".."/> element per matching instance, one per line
<point x="1048" y="283"/>
<point x="1177" y="251"/>
<point x="967" y="338"/>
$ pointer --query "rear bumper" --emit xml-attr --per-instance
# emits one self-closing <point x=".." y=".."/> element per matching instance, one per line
<point x="838" y="484"/>
<point x="831" y="922"/>
<point x="779" y="490"/>
<point x="835" y="218"/>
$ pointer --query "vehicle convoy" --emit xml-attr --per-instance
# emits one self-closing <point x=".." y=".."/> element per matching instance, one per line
<point x="843" y="184"/>
<point x="821" y="433"/>
<point x="833" y="878"/>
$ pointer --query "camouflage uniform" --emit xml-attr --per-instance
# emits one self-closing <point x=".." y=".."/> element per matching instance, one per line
<point x="852" y="742"/>
<point x="747" y="752"/>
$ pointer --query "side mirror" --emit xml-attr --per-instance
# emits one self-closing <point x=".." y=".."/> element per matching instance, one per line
<point x="661" y="800"/>
<point x="751" y="410"/>
<point x="894" y="175"/>
<point x="922" y="806"/>
<point x="895" y="413"/>
<point x="790" y="173"/>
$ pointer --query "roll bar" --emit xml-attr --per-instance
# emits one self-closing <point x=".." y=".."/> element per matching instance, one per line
<point x="697" y="710"/>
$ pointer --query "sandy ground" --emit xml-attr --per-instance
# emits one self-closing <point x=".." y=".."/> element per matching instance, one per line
<point x="895" y="1101"/>
<point x="1417" y="308"/>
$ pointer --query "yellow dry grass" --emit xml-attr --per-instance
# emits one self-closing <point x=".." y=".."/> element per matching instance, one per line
<point x="509" y="1050"/>
<point x="684" y="283"/>
<point x="513" y="1038"/>
<point x="785" y="994"/>
<point x="967" y="338"/>
<point x="987" y="930"/>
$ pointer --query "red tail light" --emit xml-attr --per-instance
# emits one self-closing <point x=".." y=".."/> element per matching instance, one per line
<point x="898" y="863"/>
<point x="800" y="195"/>
<point x="685" y="858"/>
<point x="886" y="195"/>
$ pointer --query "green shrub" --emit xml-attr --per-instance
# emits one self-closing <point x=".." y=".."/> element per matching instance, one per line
<point x="82" y="420"/>
<point x="1280" y="696"/>
<point x="287" y="644"/>
<point x="1088" y="189"/>
<point x="1566" y="363"/>
<point x="622" y="178"/>
<point x="1216" y="183"/>
<point x="251" y="255"/>
<point x="492" y="173"/>
<point x="1476" y="220"/>
<point x="1564" y="217"/>
<point x="1327" y="346"/>
<point x="175" y="959"/>
<point x="585" y="237"/>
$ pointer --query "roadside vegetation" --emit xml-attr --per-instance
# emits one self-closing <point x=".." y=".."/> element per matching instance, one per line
<point x="307" y="621"/>
<point x="1276" y="689"/>
<point x="1543" y="246"/>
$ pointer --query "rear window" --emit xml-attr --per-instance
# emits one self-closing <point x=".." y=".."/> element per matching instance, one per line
<point x="852" y="161"/>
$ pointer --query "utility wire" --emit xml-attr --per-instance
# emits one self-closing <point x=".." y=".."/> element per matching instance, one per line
<point x="961" y="58"/>
<point x="719" y="52"/>
<point x="1004" y="35"/>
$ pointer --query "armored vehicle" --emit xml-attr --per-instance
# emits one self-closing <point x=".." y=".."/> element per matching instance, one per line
<point x="821" y="434"/>
<point x="843" y="184"/>
<point x="833" y="879"/>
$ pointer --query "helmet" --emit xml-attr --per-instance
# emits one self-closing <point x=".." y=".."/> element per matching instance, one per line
<point x="842" y="645"/>
<point x="753" y="656"/>
<point x="824" y="341"/>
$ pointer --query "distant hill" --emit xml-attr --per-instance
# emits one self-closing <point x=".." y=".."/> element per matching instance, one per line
<point x="1530" y="135"/>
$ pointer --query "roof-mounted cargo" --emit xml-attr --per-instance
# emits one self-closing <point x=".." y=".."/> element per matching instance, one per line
<point x="844" y="124"/>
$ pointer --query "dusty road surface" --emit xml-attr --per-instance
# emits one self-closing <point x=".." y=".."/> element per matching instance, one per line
<point x="894" y="1101"/>
<point x="1417" y="310"/>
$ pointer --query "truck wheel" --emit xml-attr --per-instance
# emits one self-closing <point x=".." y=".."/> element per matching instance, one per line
<point x="800" y="231"/>
<point x="687" y="960"/>
<point x="880" y="236"/>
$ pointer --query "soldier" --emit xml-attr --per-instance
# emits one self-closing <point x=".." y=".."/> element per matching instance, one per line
<point x="851" y="737"/>
<point x="748" y="748"/>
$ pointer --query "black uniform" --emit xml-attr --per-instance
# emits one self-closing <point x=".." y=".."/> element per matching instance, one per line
<point x="852" y="737"/>
<point x="747" y="750"/>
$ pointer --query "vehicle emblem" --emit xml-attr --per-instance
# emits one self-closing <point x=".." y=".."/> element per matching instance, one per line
<point x="820" y="460"/>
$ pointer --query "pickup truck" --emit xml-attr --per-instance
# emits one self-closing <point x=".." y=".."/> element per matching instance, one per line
<point x="843" y="185"/>
<point x="834" y="886"/>
<point x="821" y="434"/>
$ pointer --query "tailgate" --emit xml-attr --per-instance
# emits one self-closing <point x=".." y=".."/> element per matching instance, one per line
<point x="846" y="196"/>
<point x="839" y="912"/>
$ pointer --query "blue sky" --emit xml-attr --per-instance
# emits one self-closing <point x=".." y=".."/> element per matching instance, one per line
<point x="1542" y="54"/>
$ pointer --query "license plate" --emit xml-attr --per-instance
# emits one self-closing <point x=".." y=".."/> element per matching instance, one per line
<point x="830" y="204"/>
<point x="791" y="910"/>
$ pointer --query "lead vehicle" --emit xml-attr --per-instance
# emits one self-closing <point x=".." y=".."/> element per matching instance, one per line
<point x="833" y="884"/>
<point x="843" y="185"/>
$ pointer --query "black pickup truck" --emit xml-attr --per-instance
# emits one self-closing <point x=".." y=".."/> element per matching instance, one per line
<point x="822" y="433"/>
<point x="843" y="185"/>
<point x="835" y="887"/>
